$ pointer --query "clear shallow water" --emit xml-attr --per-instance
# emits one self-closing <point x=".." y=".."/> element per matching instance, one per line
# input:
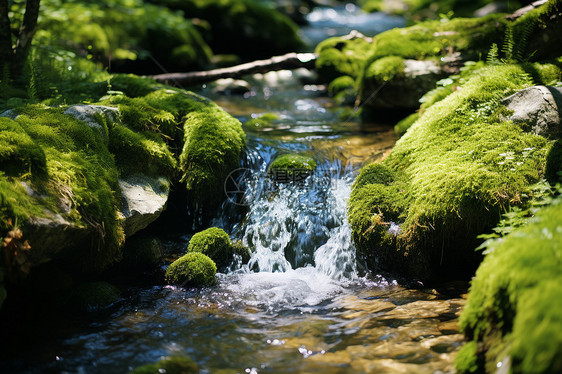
<point x="318" y="313"/>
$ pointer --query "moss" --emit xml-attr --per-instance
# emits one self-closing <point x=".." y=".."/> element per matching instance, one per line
<point x="215" y="243"/>
<point x="142" y="251"/>
<point x="462" y="166"/>
<point x="553" y="170"/>
<point x="291" y="167"/>
<point x="192" y="269"/>
<point x="19" y="154"/>
<point x="169" y="365"/>
<point x="467" y="360"/>
<point x="514" y="305"/>
<point x="241" y="250"/>
<point x="338" y="56"/>
<point x="212" y="148"/>
<point x="129" y="33"/>
<point x="242" y="27"/>
<point x="78" y="168"/>
<point x="403" y="125"/>
<point x="136" y="151"/>
<point x="385" y="68"/>
<point x="343" y="89"/>
<point x="92" y="296"/>
<point x="133" y="85"/>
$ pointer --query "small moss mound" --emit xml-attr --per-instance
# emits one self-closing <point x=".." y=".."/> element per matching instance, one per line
<point x="291" y="168"/>
<point x="241" y="250"/>
<point x="343" y="89"/>
<point x="93" y="296"/>
<point x="385" y="68"/>
<point x="215" y="243"/>
<point x="169" y="365"/>
<point x="514" y="307"/>
<point x="192" y="269"/>
<point x="338" y="57"/>
<point x="467" y="359"/>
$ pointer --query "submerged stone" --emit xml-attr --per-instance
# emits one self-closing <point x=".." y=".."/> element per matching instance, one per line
<point x="169" y="365"/>
<point x="92" y="296"/>
<point x="291" y="168"/>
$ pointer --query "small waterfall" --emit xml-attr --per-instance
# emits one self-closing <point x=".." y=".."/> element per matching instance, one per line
<point x="296" y="225"/>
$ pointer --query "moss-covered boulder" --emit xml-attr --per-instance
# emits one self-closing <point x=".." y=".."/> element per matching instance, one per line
<point x="193" y="269"/>
<point x="169" y="365"/>
<point x="513" y="314"/>
<point x="447" y="180"/>
<point x="242" y="27"/>
<point x="291" y="168"/>
<point x="92" y="296"/>
<point x="242" y="251"/>
<point x="342" y="56"/>
<point x="215" y="243"/>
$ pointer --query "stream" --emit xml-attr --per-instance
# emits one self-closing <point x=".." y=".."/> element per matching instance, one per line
<point x="303" y="304"/>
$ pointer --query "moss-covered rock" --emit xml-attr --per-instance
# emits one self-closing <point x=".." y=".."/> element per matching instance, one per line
<point x="215" y="243"/>
<point x="192" y="269"/>
<point x="457" y="168"/>
<point x="343" y="89"/>
<point x="291" y="167"/>
<point x="262" y="121"/>
<point x="93" y="296"/>
<point x="514" y="308"/>
<point x="341" y="56"/>
<point x="242" y="27"/>
<point x="169" y="365"/>
<point x="242" y="251"/>
<point x="404" y="124"/>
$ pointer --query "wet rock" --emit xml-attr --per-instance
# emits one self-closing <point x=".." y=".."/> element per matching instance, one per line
<point x="230" y="86"/>
<point x="144" y="199"/>
<point x="538" y="109"/>
<point x="291" y="168"/>
<point x="90" y="115"/>
<point x="192" y="269"/>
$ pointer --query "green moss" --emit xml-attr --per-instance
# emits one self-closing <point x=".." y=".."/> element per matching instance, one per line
<point x="403" y="125"/>
<point x="125" y="32"/>
<point x="291" y="167"/>
<point x="215" y="243"/>
<point x="467" y="360"/>
<point x="463" y="166"/>
<point x="94" y="295"/>
<point x="338" y="56"/>
<point x="19" y="154"/>
<point x="242" y="27"/>
<point x="140" y="151"/>
<point x="169" y="365"/>
<point x="192" y="269"/>
<point x="213" y="143"/>
<point x="343" y="89"/>
<point x="385" y="68"/>
<point x="241" y="250"/>
<point x="133" y="85"/>
<point x="514" y="305"/>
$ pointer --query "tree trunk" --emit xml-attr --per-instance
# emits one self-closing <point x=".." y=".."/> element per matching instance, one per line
<point x="26" y="33"/>
<point x="288" y="61"/>
<point x="5" y="37"/>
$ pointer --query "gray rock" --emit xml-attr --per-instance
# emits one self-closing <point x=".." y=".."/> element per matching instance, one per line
<point x="538" y="109"/>
<point x="87" y="114"/>
<point x="144" y="199"/>
<point x="9" y="114"/>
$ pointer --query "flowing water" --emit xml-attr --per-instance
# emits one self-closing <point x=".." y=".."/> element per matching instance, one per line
<point x="303" y="304"/>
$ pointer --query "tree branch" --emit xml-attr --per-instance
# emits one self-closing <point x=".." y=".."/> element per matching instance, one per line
<point x="288" y="61"/>
<point x="27" y="30"/>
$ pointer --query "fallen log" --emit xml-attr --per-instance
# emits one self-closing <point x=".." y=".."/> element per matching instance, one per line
<point x="288" y="61"/>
